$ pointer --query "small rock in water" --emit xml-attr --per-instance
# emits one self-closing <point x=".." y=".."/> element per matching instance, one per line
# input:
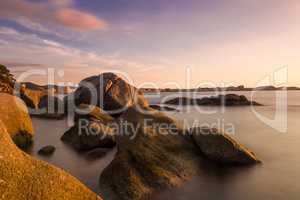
<point x="47" y="150"/>
<point x="97" y="153"/>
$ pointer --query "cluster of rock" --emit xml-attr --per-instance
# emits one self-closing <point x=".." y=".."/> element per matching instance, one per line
<point x="153" y="149"/>
<point x="41" y="101"/>
<point x="220" y="100"/>
<point x="21" y="176"/>
<point x="151" y="156"/>
<point x="111" y="96"/>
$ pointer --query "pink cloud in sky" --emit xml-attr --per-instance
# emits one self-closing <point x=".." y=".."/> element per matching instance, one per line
<point x="56" y="12"/>
<point x="78" y="20"/>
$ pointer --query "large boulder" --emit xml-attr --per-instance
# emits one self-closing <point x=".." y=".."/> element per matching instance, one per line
<point x="7" y="81"/>
<point x="92" y="129"/>
<point x="23" y="177"/>
<point x="149" y="158"/>
<point x="14" y="115"/>
<point x="222" y="148"/>
<point x="109" y="92"/>
<point x="220" y="100"/>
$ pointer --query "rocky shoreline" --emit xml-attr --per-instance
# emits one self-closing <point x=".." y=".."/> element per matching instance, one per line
<point x="150" y="156"/>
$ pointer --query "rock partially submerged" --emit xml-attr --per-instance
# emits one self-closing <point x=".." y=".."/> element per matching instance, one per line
<point x="47" y="150"/>
<point x="109" y="92"/>
<point x="148" y="159"/>
<point x="155" y="153"/>
<point x="23" y="177"/>
<point x="14" y="115"/>
<point x="221" y="148"/>
<point x="221" y="100"/>
<point x="91" y="129"/>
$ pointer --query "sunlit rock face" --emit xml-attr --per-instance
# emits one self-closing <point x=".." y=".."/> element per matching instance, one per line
<point x="14" y="115"/>
<point x="23" y="177"/>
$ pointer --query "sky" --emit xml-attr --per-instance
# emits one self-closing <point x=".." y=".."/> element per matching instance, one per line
<point x="164" y="42"/>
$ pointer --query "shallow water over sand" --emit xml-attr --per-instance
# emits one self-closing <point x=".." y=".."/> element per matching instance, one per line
<point x="277" y="178"/>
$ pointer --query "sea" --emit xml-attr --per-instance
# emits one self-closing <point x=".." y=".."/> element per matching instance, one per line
<point x="272" y="131"/>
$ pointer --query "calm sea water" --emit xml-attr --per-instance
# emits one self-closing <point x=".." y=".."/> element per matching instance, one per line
<point x="49" y="132"/>
<point x="277" y="178"/>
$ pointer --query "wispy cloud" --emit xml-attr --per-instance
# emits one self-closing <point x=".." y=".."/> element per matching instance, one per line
<point x="30" y="48"/>
<point x="55" y="12"/>
<point x="35" y="26"/>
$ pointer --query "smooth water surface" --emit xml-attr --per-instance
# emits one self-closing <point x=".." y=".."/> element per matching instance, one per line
<point x="49" y="132"/>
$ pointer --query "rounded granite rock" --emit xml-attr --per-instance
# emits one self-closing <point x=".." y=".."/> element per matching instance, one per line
<point x="23" y="177"/>
<point x="14" y="115"/>
<point x="109" y="92"/>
